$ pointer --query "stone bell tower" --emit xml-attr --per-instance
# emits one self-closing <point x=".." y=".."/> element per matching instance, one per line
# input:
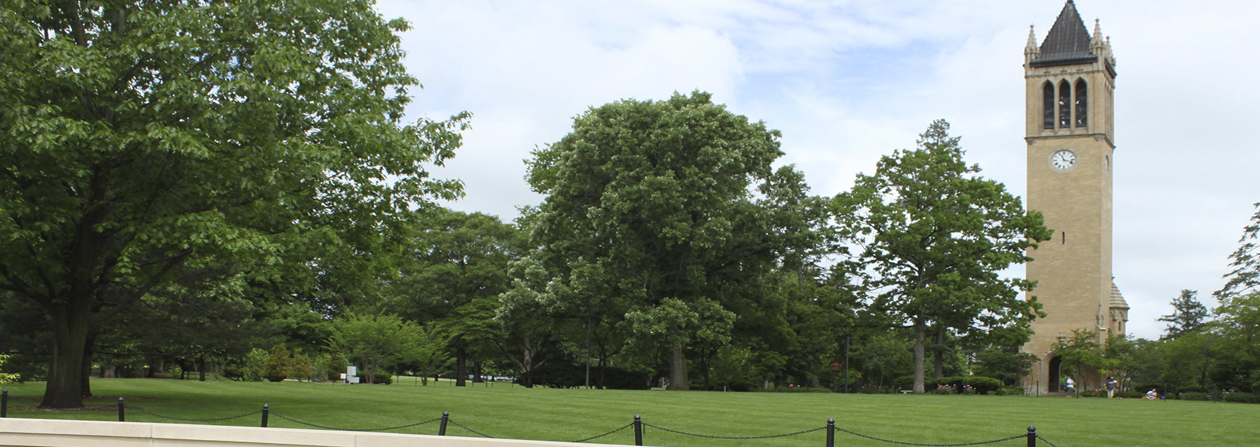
<point x="1070" y="80"/>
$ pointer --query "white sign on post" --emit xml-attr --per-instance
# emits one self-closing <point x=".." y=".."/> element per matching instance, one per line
<point x="352" y="374"/>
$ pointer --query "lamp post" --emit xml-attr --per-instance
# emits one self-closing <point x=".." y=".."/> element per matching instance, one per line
<point x="835" y="369"/>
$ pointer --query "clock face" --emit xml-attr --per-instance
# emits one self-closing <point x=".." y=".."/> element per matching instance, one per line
<point x="1063" y="160"/>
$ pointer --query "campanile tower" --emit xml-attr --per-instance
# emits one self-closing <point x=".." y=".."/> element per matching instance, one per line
<point x="1070" y="80"/>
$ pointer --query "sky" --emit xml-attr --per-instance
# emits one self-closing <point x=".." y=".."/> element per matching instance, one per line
<point x="849" y="81"/>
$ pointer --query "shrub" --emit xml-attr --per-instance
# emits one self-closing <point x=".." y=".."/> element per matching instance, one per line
<point x="870" y="389"/>
<point x="983" y="385"/>
<point x="625" y="379"/>
<point x="1130" y="394"/>
<point x="904" y="382"/>
<point x="559" y="375"/>
<point x="7" y="377"/>
<point x="1193" y="396"/>
<point x="1093" y="393"/>
<point x="954" y="382"/>
<point x="381" y="378"/>
<point x="960" y="384"/>
<point x="1010" y="391"/>
<point x="1239" y="396"/>
<point x="234" y="373"/>
<point x="944" y="389"/>
<point x="798" y="389"/>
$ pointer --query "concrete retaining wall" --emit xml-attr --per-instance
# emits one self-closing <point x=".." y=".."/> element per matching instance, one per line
<point x="62" y="433"/>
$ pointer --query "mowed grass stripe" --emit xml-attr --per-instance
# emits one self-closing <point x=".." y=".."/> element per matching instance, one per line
<point x="503" y="410"/>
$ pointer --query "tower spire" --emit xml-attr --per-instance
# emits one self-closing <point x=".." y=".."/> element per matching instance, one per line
<point x="1030" y="49"/>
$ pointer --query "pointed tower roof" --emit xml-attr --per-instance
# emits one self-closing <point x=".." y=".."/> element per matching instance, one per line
<point x="1068" y="41"/>
<point x="1117" y="300"/>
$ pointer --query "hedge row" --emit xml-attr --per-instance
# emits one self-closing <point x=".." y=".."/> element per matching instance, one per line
<point x="982" y="385"/>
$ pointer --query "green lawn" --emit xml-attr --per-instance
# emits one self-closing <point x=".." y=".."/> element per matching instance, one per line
<point x="503" y="410"/>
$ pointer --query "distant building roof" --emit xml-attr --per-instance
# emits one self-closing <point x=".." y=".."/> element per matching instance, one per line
<point x="1068" y="41"/>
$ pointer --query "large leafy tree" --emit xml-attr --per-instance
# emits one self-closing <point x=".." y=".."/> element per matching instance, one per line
<point x="141" y="138"/>
<point x="649" y="201"/>
<point x="1238" y="322"/>
<point x="378" y="342"/>
<point x="935" y="236"/>
<point x="1080" y="351"/>
<point x="450" y="278"/>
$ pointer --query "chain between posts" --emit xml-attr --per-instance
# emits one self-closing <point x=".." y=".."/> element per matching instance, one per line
<point x="929" y="445"/>
<point x="326" y="427"/>
<point x="735" y="437"/>
<point x="471" y="430"/>
<point x="638" y="425"/>
<point x="130" y="407"/>
<point x="607" y="433"/>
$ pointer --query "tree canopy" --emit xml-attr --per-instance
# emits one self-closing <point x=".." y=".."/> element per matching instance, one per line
<point x="141" y="140"/>
<point x="934" y="237"/>
<point x="1188" y="315"/>
<point x="1245" y="262"/>
<point x="650" y="211"/>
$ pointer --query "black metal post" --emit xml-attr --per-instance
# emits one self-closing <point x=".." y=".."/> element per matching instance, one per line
<point x="1032" y="436"/>
<point x="266" y="412"/>
<point x="121" y="415"/>
<point x="4" y="404"/>
<point x="638" y="430"/>
<point x="831" y="432"/>
<point x="446" y="415"/>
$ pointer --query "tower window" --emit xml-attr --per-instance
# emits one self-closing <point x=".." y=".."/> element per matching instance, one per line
<point x="1065" y="105"/>
<point x="1082" y="104"/>
<point x="1063" y="238"/>
<point x="1048" y="105"/>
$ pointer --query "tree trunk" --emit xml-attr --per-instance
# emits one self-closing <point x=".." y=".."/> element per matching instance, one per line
<point x="920" y="336"/>
<point x="940" y="354"/>
<point x="87" y="366"/>
<point x="201" y="369"/>
<point x="65" y="370"/>
<point x="461" y="367"/>
<point x="588" y="353"/>
<point x="677" y="369"/>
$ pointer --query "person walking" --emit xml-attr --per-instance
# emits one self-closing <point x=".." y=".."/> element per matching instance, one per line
<point x="1070" y="386"/>
<point x="1111" y="387"/>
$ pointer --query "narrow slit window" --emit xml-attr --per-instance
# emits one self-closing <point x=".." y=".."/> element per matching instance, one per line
<point x="1082" y="104"/>
<point x="1048" y="105"/>
<point x="1065" y="105"/>
<point x="1063" y="238"/>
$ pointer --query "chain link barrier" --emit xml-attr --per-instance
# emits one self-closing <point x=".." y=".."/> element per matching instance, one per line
<point x="995" y="441"/>
<point x="606" y="434"/>
<point x="735" y="437"/>
<point x="610" y="432"/>
<point x="325" y="427"/>
<point x="469" y="429"/>
<point x="129" y="407"/>
<point x="35" y="404"/>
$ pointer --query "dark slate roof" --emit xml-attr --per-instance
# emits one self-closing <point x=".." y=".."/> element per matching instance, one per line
<point x="1067" y="42"/>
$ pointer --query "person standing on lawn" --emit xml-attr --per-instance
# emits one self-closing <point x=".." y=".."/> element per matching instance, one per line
<point x="1111" y="387"/>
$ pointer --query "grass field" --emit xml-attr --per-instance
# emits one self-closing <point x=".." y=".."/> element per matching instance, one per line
<point x="507" y="411"/>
